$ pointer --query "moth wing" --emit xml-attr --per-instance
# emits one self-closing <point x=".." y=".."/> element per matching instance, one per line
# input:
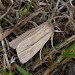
<point x="29" y="43"/>
<point x="27" y="34"/>
<point x="26" y="54"/>
<point x="31" y="40"/>
<point x="16" y="41"/>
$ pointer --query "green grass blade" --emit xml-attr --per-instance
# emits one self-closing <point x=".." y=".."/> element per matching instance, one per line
<point x="21" y="70"/>
<point x="6" y="19"/>
<point x="5" y="71"/>
<point x="70" y="55"/>
<point x="26" y="9"/>
<point x="12" y="73"/>
<point x="67" y="52"/>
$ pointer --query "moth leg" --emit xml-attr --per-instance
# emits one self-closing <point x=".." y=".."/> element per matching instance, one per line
<point x="40" y="54"/>
<point x="52" y="42"/>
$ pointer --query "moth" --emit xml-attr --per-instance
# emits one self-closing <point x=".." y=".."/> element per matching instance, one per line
<point x="30" y="42"/>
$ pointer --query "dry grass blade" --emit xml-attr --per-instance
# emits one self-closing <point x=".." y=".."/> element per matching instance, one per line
<point x="30" y="43"/>
<point x="21" y="23"/>
<point x="4" y="49"/>
<point x="54" y="65"/>
<point x="1" y="5"/>
<point x="5" y="13"/>
<point x="7" y="10"/>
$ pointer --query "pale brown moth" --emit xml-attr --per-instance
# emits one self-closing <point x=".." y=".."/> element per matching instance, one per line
<point x="30" y="42"/>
